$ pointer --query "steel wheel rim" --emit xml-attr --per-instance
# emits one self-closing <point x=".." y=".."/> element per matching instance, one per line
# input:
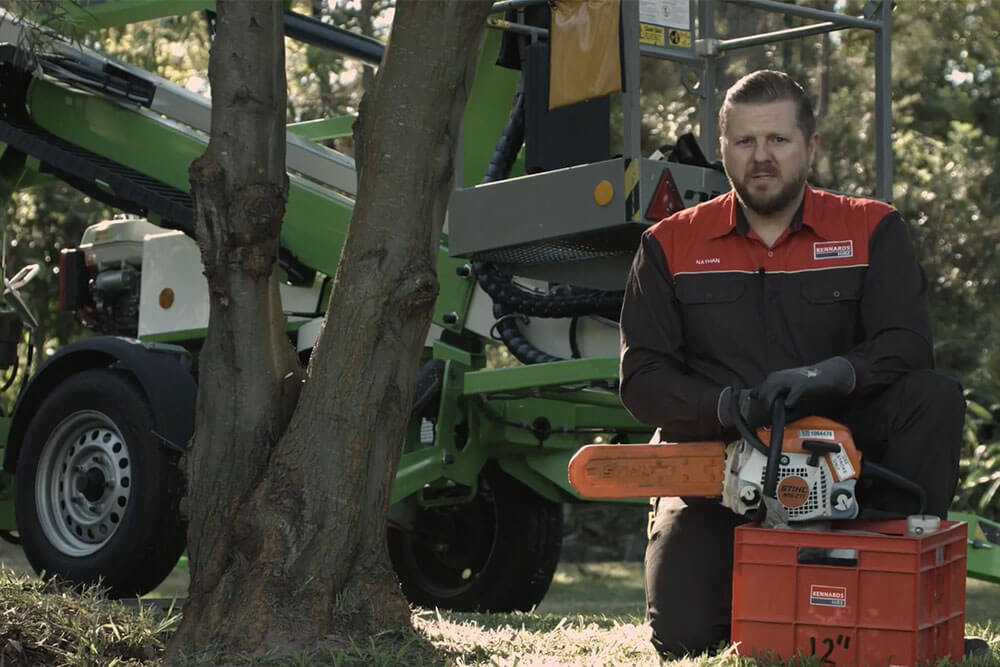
<point x="84" y="483"/>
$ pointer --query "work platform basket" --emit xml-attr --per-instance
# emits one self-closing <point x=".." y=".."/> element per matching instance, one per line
<point x="864" y="594"/>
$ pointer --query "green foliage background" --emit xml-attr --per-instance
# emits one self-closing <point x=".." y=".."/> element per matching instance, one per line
<point x="946" y="119"/>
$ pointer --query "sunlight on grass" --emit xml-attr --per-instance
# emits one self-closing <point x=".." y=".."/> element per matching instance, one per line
<point x="591" y="617"/>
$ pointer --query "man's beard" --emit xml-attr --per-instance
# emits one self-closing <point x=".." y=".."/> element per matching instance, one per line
<point x="766" y="205"/>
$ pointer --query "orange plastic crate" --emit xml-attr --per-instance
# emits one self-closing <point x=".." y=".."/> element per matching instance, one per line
<point x="899" y="601"/>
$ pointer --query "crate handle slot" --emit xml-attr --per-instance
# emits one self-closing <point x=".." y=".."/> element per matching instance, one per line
<point x="824" y="556"/>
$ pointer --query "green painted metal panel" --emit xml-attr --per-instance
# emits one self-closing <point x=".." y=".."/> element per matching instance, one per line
<point x="175" y="336"/>
<point x="487" y="111"/>
<point x="571" y="371"/>
<point x="601" y="398"/>
<point x="454" y="293"/>
<point x="564" y="413"/>
<point x="92" y="14"/>
<point x="7" y="521"/>
<point x="124" y="134"/>
<point x="520" y="470"/>
<point x="6" y="484"/>
<point x="415" y="470"/>
<point x="316" y="218"/>
<point x="983" y="556"/>
<point x="555" y="467"/>
<point x="324" y="128"/>
<point x="449" y="352"/>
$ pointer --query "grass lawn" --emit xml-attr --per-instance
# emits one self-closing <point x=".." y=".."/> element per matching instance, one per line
<point x="591" y="616"/>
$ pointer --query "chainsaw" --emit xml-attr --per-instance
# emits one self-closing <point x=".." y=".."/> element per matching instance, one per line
<point x="808" y="472"/>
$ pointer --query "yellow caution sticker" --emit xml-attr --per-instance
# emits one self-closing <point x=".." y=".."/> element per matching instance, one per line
<point x="681" y="38"/>
<point x="632" y="189"/>
<point x="653" y="34"/>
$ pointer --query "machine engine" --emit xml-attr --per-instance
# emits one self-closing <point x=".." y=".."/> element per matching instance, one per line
<point x="101" y="279"/>
<point x="818" y="470"/>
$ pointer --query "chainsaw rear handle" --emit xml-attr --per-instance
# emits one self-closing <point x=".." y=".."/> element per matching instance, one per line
<point x="875" y="471"/>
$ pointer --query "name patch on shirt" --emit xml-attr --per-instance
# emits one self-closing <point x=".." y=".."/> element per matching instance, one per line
<point x="833" y="249"/>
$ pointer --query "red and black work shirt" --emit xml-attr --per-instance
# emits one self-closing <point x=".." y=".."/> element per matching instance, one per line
<point x="708" y="304"/>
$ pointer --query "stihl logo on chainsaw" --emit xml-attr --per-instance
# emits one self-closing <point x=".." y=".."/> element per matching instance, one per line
<point x="793" y="491"/>
<point x="827" y="596"/>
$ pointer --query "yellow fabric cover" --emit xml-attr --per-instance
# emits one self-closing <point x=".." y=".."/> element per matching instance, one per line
<point x="584" y="51"/>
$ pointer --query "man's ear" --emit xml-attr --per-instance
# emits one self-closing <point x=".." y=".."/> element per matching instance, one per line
<point x="813" y="144"/>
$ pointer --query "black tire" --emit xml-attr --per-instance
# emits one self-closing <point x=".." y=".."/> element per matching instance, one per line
<point x="96" y="493"/>
<point x="497" y="553"/>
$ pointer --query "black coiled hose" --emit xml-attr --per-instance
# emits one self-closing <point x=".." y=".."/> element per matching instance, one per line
<point x="509" y="298"/>
<point x="579" y="301"/>
<point x="502" y="160"/>
<point x="507" y="330"/>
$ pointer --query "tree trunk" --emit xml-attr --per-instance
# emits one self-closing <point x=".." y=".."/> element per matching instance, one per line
<point x="288" y="542"/>
<point x="248" y="379"/>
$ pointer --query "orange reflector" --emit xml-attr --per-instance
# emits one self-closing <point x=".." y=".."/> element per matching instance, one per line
<point x="666" y="200"/>
<point x="603" y="193"/>
<point x="166" y="298"/>
<point x="641" y="471"/>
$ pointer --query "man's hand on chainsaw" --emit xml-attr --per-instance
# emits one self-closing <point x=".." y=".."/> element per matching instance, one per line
<point x="831" y="377"/>
<point x="751" y="408"/>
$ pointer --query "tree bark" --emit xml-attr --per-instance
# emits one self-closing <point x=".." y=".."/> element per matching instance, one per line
<point x="248" y="374"/>
<point x="288" y="542"/>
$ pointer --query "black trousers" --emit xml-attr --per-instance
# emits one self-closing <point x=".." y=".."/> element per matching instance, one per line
<point x="914" y="427"/>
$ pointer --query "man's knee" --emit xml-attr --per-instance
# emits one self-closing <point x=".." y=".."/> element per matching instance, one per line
<point x="933" y="394"/>
<point x="674" y="639"/>
<point x="689" y="575"/>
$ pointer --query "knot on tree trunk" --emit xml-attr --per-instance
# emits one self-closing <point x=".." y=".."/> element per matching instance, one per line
<point x="419" y="290"/>
<point x="207" y="178"/>
<point x="261" y="208"/>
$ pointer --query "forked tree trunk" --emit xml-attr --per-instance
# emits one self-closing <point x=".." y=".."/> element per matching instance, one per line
<point x="247" y="370"/>
<point x="288" y="542"/>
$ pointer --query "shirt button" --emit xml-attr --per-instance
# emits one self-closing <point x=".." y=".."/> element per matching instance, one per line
<point x="836" y="293"/>
<point x="770" y="253"/>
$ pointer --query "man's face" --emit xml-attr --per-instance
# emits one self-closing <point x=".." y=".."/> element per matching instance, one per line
<point x="766" y="155"/>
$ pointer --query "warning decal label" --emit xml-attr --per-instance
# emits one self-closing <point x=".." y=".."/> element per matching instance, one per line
<point x="652" y="34"/>
<point x="665" y="22"/>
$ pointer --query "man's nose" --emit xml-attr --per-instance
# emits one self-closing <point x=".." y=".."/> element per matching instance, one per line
<point x="761" y="152"/>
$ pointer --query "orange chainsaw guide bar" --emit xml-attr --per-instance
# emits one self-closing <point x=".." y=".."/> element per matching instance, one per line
<point x="637" y="471"/>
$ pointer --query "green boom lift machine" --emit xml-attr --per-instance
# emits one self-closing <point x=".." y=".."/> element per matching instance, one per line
<point x="536" y="262"/>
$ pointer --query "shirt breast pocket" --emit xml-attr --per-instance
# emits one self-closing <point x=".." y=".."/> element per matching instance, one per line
<point x="831" y="310"/>
<point x="712" y="309"/>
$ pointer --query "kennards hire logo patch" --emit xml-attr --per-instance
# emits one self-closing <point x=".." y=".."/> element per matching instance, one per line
<point x="833" y="249"/>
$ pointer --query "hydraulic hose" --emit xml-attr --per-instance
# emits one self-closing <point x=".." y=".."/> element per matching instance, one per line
<point x="511" y="140"/>
<point x="579" y="301"/>
<point x="512" y="298"/>
<point x="511" y="336"/>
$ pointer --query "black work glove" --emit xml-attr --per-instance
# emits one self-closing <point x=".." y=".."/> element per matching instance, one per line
<point x="830" y="377"/>
<point x="751" y="408"/>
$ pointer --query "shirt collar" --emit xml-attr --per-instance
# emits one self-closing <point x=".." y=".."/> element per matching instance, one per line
<point x="736" y="221"/>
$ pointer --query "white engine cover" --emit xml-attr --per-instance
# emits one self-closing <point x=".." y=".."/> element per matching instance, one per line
<point x="805" y="492"/>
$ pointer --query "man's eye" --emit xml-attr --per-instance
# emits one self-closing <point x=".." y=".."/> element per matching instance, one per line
<point x="743" y="142"/>
<point x="780" y="140"/>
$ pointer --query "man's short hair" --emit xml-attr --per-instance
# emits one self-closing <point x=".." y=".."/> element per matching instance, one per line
<point x="768" y="85"/>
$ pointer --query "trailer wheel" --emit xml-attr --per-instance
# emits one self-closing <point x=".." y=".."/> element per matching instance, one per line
<point x="96" y="494"/>
<point x="497" y="553"/>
